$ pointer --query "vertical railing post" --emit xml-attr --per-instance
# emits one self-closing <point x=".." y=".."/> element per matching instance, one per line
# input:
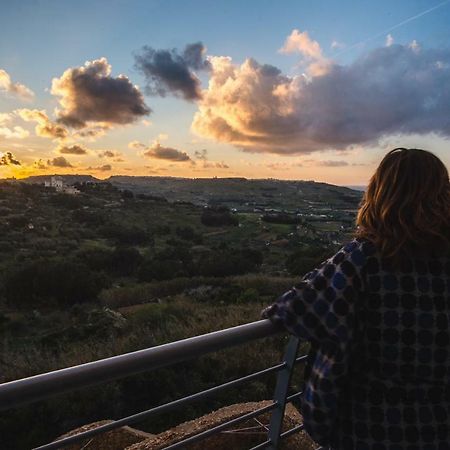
<point x="281" y="392"/>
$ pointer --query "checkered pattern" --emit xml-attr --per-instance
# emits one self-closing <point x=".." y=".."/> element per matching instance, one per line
<point x="378" y="372"/>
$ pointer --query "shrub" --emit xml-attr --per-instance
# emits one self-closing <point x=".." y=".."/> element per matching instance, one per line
<point x="218" y="216"/>
<point x="52" y="282"/>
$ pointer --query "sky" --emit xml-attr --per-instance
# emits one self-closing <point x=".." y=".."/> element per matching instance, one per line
<point x="258" y="89"/>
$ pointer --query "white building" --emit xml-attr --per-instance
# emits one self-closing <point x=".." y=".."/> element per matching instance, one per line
<point x="58" y="184"/>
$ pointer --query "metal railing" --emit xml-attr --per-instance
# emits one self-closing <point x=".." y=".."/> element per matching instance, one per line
<point x="38" y="387"/>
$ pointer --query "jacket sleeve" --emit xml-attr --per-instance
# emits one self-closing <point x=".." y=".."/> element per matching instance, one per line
<point x="321" y="307"/>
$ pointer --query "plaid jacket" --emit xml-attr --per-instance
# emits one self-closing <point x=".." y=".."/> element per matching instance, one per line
<point x="379" y="367"/>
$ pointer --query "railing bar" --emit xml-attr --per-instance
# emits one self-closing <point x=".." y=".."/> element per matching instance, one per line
<point x="294" y="430"/>
<point x="216" y="429"/>
<point x="293" y="396"/>
<point x="41" y="386"/>
<point x="281" y="392"/>
<point x="157" y="410"/>
<point x="300" y="358"/>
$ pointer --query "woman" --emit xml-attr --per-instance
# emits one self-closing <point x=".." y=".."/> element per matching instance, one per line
<point x="377" y="315"/>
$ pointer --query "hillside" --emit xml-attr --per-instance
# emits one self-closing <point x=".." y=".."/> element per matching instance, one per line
<point x="116" y="269"/>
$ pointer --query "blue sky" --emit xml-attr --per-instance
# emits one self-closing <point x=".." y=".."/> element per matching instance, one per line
<point x="43" y="39"/>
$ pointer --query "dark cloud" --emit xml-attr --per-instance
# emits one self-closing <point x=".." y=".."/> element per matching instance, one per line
<point x="168" y="71"/>
<point x="90" y="94"/>
<point x="167" y="153"/>
<point x="104" y="168"/>
<point x="59" y="161"/>
<point x="8" y="159"/>
<point x="72" y="150"/>
<point x="109" y="154"/>
<point x="215" y="165"/>
<point x="400" y="89"/>
<point x="201" y="154"/>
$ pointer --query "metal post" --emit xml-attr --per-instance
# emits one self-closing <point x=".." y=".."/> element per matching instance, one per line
<point x="281" y="391"/>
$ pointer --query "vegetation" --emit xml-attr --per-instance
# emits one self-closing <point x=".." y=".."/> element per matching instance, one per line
<point x="114" y="270"/>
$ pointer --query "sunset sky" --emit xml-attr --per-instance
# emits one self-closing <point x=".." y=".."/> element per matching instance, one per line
<point x="260" y="89"/>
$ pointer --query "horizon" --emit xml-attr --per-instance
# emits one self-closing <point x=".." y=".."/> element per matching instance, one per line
<point x="50" y="175"/>
<point x="302" y="97"/>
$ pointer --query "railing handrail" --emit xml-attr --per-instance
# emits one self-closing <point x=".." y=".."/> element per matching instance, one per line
<point x="37" y="387"/>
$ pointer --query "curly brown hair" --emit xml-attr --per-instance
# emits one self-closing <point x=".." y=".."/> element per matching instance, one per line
<point x="405" y="210"/>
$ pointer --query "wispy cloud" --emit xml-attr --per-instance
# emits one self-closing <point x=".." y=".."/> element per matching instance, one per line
<point x="16" y="89"/>
<point x="45" y="127"/>
<point x="15" y="132"/>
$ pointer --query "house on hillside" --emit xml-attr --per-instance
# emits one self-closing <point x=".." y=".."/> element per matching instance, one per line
<point x="60" y="186"/>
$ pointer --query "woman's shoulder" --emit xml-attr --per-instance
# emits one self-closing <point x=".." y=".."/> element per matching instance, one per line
<point x="357" y="251"/>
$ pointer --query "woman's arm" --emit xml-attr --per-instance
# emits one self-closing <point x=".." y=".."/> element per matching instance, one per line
<point x="321" y="307"/>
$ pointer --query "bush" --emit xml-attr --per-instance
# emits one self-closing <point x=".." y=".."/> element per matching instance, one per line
<point x="229" y="262"/>
<point x="281" y="218"/>
<point x="126" y="234"/>
<point x="218" y="216"/>
<point x="52" y="282"/>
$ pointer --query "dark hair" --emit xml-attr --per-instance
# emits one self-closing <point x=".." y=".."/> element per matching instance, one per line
<point x="406" y="208"/>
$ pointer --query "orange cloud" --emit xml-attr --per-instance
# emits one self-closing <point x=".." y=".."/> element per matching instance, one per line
<point x="72" y="150"/>
<point x="59" y="161"/>
<point x="170" y="154"/>
<point x="104" y="168"/>
<point x="45" y="127"/>
<point x="258" y="109"/>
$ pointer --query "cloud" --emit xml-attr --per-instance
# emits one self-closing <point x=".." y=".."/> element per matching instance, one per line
<point x="92" y="132"/>
<point x="215" y="165"/>
<point x="276" y="165"/>
<point x="89" y="94"/>
<point x="167" y="153"/>
<point x="331" y="163"/>
<point x="17" y="89"/>
<point x="14" y="132"/>
<point x="390" y="90"/>
<point x="298" y="42"/>
<point x="109" y="154"/>
<point x="8" y="159"/>
<point x="40" y="164"/>
<point x="389" y="40"/>
<point x="201" y="154"/>
<point x="5" y="118"/>
<point x="136" y="145"/>
<point x="171" y="72"/>
<point x="312" y="56"/>
<point x="72" y="150"/>
<point x="104" y="168"/>
<point x="45" y="127"/>
<point x="59" y="161"/>
<point x="335" y="45"/>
